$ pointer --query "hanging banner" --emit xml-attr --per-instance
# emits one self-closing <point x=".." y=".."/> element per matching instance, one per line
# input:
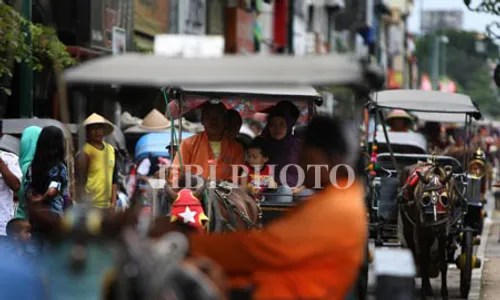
<point x="447" y="86"/>
<point x="425" y="83"/>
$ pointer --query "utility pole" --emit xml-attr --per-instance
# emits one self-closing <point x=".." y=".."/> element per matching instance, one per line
<point x="435" y="62"/>
<point x="26" y="74"/>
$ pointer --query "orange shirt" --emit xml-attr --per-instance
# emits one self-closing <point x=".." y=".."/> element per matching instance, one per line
<point x="314" y="252"/>
<point x="196" y="150"/>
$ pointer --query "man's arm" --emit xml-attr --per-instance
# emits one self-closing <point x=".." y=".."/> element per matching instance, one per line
<point x="81" y="171"/>
<point x="319" y="228"/>
<point x="12" y="175"/>
<point x="114" y="187"/>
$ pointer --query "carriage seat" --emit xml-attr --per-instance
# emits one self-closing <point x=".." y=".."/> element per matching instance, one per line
<point x="388" y="191"/>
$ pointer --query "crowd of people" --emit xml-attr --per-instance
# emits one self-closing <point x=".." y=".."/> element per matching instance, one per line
<point x="39" y="180"/>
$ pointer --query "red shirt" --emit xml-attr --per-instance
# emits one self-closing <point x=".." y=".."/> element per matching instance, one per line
<point x="261" y="180"/>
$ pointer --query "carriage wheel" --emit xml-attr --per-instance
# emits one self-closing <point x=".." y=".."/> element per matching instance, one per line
<point x="466" y="270"/>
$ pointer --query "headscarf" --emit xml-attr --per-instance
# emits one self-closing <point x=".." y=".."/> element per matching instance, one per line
<point x="27" y="151"/>
<point x="285" y="151"/>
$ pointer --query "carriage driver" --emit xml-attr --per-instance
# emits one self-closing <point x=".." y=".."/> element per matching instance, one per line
<point x="212" y="144"/>
<point x="399" y="121"/>
<point x="313" y="252"/>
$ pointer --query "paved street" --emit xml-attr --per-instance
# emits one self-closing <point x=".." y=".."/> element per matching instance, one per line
<point x="488" y="247"/>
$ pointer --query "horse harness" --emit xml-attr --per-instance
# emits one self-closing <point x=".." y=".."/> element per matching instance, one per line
<point x="222" y="193"/>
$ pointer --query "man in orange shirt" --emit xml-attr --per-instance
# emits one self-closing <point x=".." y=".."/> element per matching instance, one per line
<point x="315" y="251"/>
<point x="212" y="144"/>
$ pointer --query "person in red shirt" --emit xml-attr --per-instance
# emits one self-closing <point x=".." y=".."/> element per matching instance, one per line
<point x="259" y="172"/>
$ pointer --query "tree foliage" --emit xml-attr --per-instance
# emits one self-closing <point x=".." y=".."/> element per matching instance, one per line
<point x="469" y="69"/>
<point x="13" y="45"/>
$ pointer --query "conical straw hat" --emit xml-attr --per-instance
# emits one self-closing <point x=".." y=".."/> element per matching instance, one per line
<point x="98" y="119"/>
<point x="155" y="120"/>
<point x="399" y="113"/>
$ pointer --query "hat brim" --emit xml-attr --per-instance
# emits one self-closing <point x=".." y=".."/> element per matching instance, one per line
<point x="108" y="127"/>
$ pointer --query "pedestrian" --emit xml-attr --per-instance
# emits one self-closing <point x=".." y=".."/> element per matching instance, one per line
<point x="96" y="169"/>
<point x="10" y="183"/>
<point x="19" y="235"/>
<point x="46" y="183"/>
<point x="234" y="123"/>
<point x="29" y="138"/>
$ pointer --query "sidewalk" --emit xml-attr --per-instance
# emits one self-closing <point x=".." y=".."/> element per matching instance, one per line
<point x="490" y="287"/>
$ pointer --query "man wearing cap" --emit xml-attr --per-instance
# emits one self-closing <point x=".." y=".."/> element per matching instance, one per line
<point x="399" y="121"/>
<point x="212" y="144"/>
<point x="96" y="169"/>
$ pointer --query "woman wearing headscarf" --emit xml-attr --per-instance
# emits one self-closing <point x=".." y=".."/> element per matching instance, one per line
<point x="282" y="145"/>
<point x="27" y="150"/>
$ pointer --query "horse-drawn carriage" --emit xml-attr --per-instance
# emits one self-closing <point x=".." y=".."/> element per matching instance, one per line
<point x="140" y="268"/>
<point x="433" y="198"/>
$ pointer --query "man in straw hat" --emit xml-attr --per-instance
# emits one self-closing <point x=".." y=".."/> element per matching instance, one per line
<point x="96" y="169"/>
<point x="399" y="121"/>
<point x="212" y="144"/>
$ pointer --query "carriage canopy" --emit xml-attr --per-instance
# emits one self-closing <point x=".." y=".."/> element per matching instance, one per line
<point x="159" y="71"/>
<point x="427" y="101"/>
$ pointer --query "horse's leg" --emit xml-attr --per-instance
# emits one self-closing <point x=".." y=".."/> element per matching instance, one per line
<point x="425" y="257"/>
<point x="443" y="265"/>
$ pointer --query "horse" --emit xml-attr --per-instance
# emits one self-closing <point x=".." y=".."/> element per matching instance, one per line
<point x="426" y="211"/>
<point x="232" y="209"/>
<point x="90" y="255"/>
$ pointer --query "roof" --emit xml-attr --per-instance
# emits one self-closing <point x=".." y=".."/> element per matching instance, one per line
<point x="17" y="126"/>
<point x="264" y="90"/>
<point x="426" y="101"/>
<point x="159" y="71"/>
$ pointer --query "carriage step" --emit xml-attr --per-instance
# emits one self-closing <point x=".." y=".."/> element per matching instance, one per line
<point x="391" y="244"/>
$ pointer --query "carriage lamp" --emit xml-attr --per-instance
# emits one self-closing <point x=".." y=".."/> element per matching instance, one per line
<point x="477" y="167"/>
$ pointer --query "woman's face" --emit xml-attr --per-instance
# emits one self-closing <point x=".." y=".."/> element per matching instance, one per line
<point x="278" y="128"/>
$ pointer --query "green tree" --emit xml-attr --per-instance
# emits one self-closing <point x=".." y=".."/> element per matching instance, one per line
<point x="45" y="46"/>
<point x="464" y="65"/>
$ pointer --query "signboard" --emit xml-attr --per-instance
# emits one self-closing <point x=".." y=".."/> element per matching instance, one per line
<point x="173" y="45"/>
<point x="192" y="17"/>
<point x="106" y="14"/>
<point x="151" y="16"/>
<point x="119" y="40"/>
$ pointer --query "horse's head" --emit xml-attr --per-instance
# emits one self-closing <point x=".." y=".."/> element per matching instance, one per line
<point x="187" y="201"/>
<point x="434" y="194"/>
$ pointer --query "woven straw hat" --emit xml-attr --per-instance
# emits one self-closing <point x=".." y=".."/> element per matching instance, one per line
<point x="98" y="119"/>
<point x="155" y="120"/>
<point x="399" y="113"/>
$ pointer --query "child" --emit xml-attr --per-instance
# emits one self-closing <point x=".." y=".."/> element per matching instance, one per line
<point x="259" y="175"/>
<point x="19" y="234"/>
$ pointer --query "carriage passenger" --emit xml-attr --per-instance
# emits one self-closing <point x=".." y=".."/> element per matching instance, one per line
<point x="400" y="121"/>
<point x="234" y="123"/>
<point x="212" y="144"/>
<point x="282" y="145"/>
<point x="313" y="252"/>
<point x="259" y="175"/>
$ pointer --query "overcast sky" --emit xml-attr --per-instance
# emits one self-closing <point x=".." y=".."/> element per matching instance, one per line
<point x="471" y="20"/>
